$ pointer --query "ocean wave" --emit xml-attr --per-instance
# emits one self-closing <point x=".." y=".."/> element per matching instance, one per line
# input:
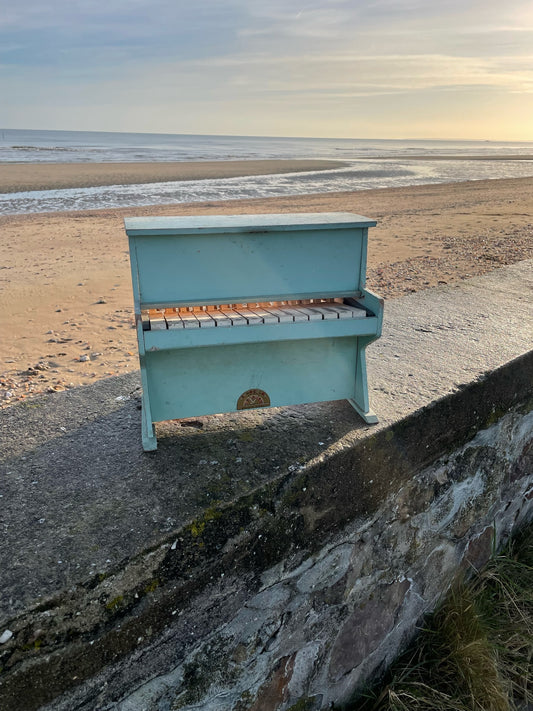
<point x="260" y="186"/>
<point x="382" y="174"/>
<point x="40" y="148"/>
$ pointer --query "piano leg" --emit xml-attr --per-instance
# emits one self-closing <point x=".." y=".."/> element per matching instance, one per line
<point x="149" y="439"/>
<point x="369" y="416"/>
<point x="360" y="402"/>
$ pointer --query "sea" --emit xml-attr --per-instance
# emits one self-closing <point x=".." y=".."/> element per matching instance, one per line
<point x="369" y="163"/>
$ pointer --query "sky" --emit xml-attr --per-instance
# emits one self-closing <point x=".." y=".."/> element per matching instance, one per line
<point x="331" y="68"/>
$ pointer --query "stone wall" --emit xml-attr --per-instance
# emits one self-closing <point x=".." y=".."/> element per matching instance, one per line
<point x="319" y="626"/>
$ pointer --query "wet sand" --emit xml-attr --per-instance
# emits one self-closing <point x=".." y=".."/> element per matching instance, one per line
<point x="67" y="316"/>
<point x="20" y="177"/>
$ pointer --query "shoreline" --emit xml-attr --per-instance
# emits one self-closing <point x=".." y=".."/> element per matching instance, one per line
<point x="25" y="177"/>
<point x="65" y="279"/>
<point x="451" y="157"/>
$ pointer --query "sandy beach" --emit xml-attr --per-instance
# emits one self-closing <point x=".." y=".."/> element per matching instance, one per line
<point x="67" y="316"/>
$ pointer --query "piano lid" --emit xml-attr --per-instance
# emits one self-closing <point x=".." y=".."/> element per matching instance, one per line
<point x="208" y="224"/>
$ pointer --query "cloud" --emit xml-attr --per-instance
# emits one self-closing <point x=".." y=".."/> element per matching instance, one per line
<point x="218" y="57"/>
<point x="34" y="33"/>
<point x="96" y="31"/>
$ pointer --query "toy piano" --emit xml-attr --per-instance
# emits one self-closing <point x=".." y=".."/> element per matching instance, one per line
<point x="245" y="311"/>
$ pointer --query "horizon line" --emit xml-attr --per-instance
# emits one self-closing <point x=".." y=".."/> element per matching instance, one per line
<point x="235" y="135"/>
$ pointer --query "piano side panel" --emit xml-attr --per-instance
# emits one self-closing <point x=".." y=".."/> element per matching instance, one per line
<point x="244" y="267"/>
<point x="194" y="382"/>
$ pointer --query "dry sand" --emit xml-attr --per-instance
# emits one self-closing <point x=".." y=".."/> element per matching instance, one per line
<point x="67" y="317"/>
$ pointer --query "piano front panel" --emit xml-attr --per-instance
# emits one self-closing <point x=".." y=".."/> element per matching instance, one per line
<point x="201" y="381"/>
<point x="203" y="267"/>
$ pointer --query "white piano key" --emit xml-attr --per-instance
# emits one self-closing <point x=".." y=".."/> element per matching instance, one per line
<point x="220" y="319"/>
<point x="311" y="313"/>
<point x="189" y="319"/>
<point x="251" y="317"/>
<point x="340" y="311"/>
<point x="157" y="320"/>
<point x="298" y="316"/>
<point x="145" y="319"/>
<point x="173" y="319"/>
<point x="205" y="319"/>
<point x="353" y="311"/>
<point x="236" y="319"/>
<point x="265" y="315"/>
<point x="357" y="310"/>
<point x="281" y="314"/>
<point x="327" y="313"/>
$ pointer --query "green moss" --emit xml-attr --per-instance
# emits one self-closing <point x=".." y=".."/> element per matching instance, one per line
<point x="219" y="488"/>
<point x="303" y="705"/>
<point x="152" y="585"/>
<point x="35" y="645"/>
<point x="197" y="527"/>
<point x="496" y="414"/>
<point x="115" y="603"/>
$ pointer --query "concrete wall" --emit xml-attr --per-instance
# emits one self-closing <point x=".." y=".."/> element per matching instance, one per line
<point x="272" y="559"/>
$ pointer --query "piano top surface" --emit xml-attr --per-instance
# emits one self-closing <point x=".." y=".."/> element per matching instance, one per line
<point x="205" y="224"/>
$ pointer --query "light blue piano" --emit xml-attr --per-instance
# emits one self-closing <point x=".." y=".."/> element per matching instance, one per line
<point x="235" y="312"/>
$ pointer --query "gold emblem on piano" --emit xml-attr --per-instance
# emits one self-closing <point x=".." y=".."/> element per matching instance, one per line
<point x="253" y="398"/>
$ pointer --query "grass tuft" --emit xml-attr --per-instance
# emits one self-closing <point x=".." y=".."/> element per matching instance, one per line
<point x="476" y="652"/>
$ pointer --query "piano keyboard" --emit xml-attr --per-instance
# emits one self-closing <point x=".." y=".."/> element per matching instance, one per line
<point x="227" y="315"/>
